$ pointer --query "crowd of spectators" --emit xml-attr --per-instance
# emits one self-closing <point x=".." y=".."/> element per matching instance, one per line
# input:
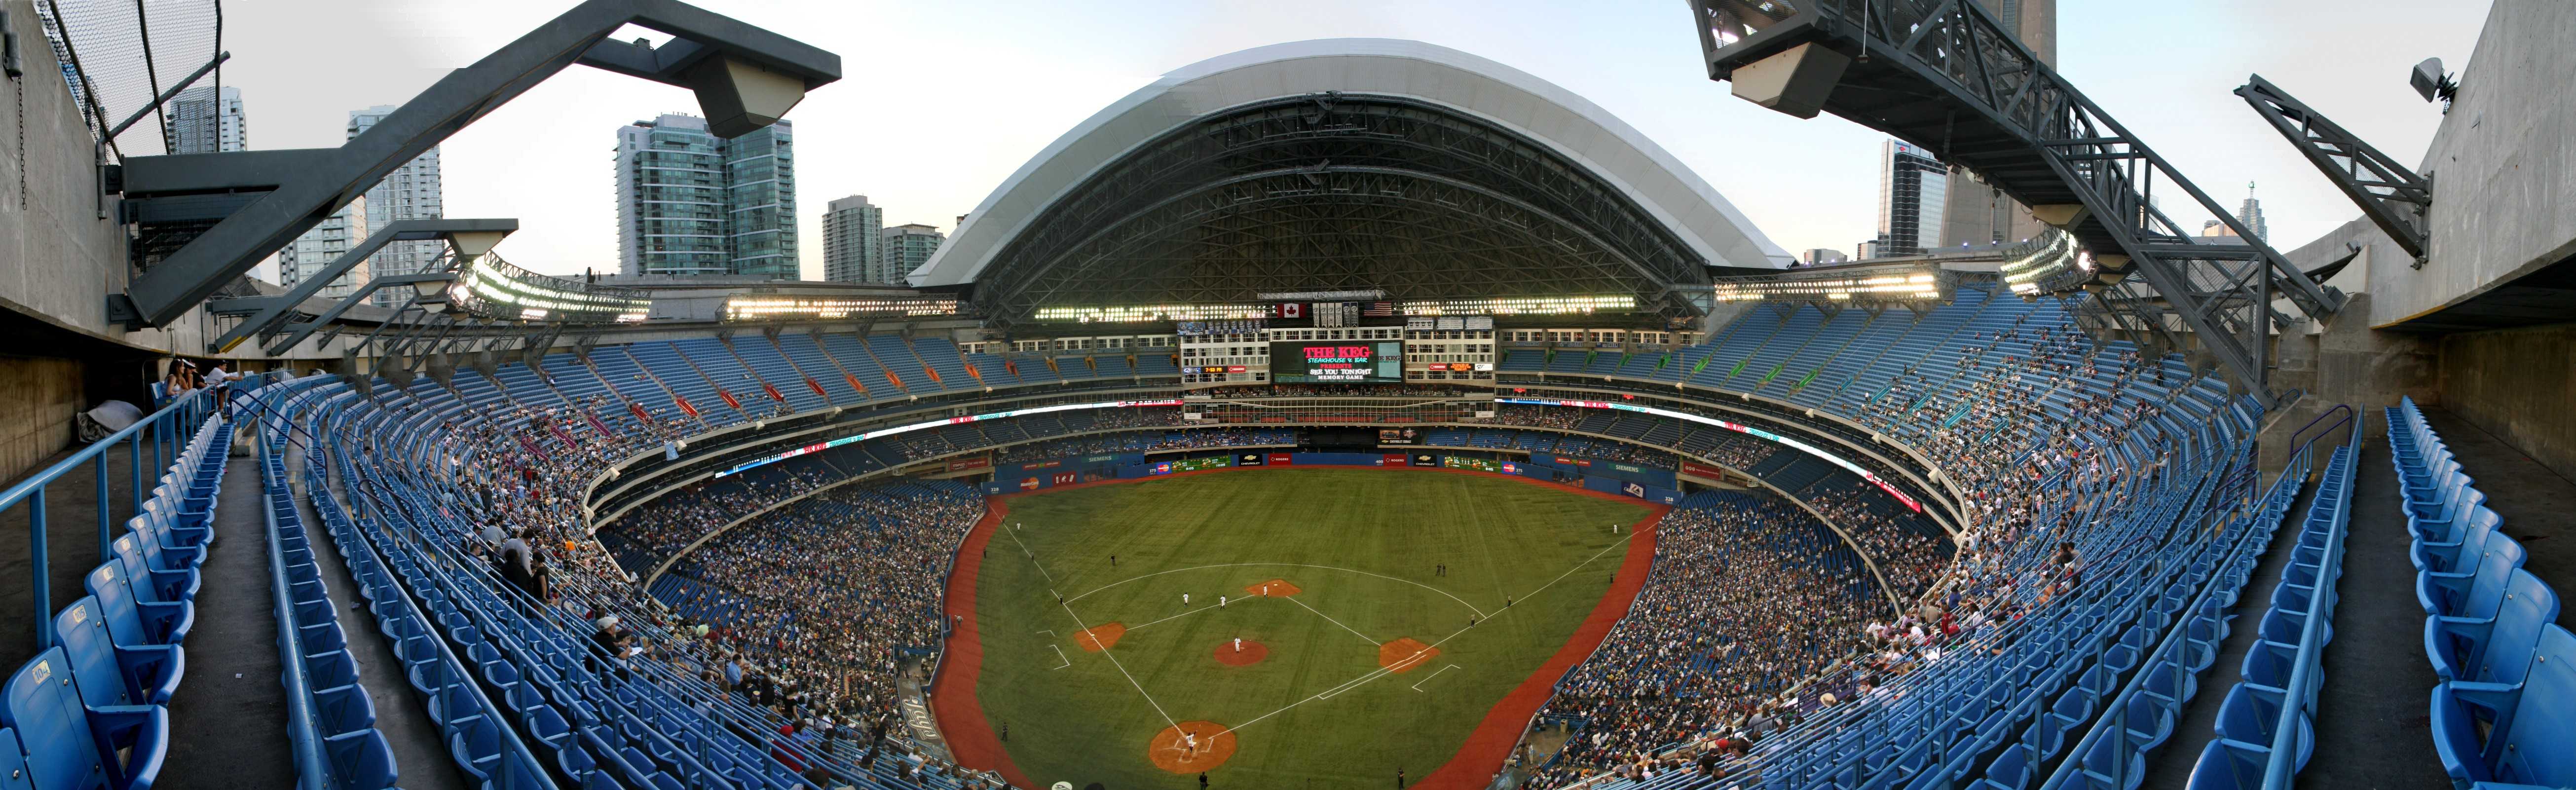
<point x="1748" y="596"/>
<point x="1748" y="599"/>
<point x="659" y="529"/>
<point x="1557" y="417"/>
<point x="812" y="608"/>
<point x="1910" y="555"/>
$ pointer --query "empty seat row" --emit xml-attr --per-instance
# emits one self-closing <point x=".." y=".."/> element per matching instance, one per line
<point x="92" y="710"/>
<point x="2504" y="715"/>
<point x="2271" y="709"/>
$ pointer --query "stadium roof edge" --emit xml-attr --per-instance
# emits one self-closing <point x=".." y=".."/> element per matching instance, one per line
<point x="1574" y="127"/>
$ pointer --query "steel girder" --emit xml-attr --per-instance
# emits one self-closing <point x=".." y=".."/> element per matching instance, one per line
<point x="1332" y="191"/>
<point x="2391" y="194"/>
<point x="1945" y="75"/>
<point x="743" y="76"/>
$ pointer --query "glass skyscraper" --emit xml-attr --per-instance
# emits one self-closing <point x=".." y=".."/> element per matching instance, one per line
<point x="690" y="203"/>
<point x="853" y="243"/>
<point x="1913" y="192"/>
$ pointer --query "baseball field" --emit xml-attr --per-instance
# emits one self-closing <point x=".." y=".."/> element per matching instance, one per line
<point x="1339" y="625"/>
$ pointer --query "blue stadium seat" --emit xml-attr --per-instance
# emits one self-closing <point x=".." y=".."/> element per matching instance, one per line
<point x="74" y="746"/>
<point x="2439" y="549"/>
<point x="2517" y="735"/>
<point x="140" y="675"/>
<point x="133" y="622"/>
<point x="2476" y="590"/>
<point x="172" y="580"/>
<point x="13" y="763"/>
<point x="2492" y="648"/>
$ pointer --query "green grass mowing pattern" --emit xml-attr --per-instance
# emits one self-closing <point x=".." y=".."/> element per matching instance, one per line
<point x="1087" y="722"/>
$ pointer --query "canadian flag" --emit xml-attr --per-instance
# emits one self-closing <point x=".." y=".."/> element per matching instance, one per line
<point x="1292" y="310"/>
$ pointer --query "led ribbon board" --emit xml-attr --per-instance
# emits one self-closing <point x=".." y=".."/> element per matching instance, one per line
<point x="882" y="432"/>
<point x="1736" y="427"/>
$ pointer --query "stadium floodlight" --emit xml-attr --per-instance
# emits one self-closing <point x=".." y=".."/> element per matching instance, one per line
<point x="1912" y="282"/>
<point x="1366" y="295"/>
<point x="743" y="307"/>
<point x="2431" y="83"/>
<point x="1151" y="313"/>
<point x="2053" y="265"/>
<point x="1521" y="305"/>
<point x="493" y="288"/>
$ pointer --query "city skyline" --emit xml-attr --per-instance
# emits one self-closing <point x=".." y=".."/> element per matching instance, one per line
<point x="1011" y="82"/>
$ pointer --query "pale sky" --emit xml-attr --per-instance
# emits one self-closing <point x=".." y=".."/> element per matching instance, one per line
<point x="938" y="102"/>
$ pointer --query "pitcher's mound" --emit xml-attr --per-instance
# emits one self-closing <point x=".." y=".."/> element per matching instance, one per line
<point x="1404" y="654"/>
<point x="1100" y="637"/>
<point x="1172" y="752"/>
<point x="1249" y="654"/>
<point x="1275" y="588"/>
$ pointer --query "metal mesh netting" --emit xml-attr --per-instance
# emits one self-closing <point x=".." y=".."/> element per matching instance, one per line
<point x="118" y="55"/>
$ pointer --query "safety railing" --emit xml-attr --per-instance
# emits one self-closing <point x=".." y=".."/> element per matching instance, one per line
<point x="168" y="430"/>
<point x="2306" y="672"/>
<point x="2125" y="758"/>
<point x="303" y="736"/>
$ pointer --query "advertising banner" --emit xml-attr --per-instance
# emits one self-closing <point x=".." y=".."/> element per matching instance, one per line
<point x="1391" y="459"/>
<point x="1425" y="459"/>
<point x="1064" y="478"/>
<point x="1195" y="464"/>
<point x="1251" y="459"/>
<point x="1464" y="462"/>
<point x="1282" y="459"/>
<point x="1697" y="470"/>
<point x="963" y="464"/>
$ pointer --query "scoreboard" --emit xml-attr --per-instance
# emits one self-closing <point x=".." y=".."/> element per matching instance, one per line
<point x="1337" y="362"/>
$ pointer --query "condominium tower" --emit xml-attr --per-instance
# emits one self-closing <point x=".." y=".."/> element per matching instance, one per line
<point x="909" y="246"/>
<point x="691" y="203"/>
<point x="853" y="247"/>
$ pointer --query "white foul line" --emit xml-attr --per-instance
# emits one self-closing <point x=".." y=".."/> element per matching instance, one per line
<point x="1417" y="685"/>
<point x="1122" y="668"/>
<point x="1033" y="556"/>
<point x="1329" y="618"/>
<point x="1104" y="647"/>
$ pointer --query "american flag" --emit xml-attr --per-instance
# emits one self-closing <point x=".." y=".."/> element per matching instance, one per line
<point x="1378" y="310"/>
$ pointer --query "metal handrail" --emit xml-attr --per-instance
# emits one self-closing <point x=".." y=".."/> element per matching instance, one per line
<point x="2170" y="648"/>
<point x="2296" y="697"/>
<point x="444" y="668"/>
<point x="188" y="410"/>
<point x="303" y="734"/>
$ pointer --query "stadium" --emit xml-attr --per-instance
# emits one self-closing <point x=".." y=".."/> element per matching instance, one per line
<point x="1322" y="414"/>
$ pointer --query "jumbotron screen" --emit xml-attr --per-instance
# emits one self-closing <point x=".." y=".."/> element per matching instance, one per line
<point x="1337" y="362"/>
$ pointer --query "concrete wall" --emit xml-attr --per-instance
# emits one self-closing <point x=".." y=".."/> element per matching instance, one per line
<point x="58" y="259"/>
<point x="38" y="398"/>
<point x="2518" y="384"/>
<point x="2499" y="163"/>
<point x="49" y="224"/>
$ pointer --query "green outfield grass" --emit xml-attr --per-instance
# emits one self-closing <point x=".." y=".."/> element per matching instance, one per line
<point x="1374" y="537"/>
